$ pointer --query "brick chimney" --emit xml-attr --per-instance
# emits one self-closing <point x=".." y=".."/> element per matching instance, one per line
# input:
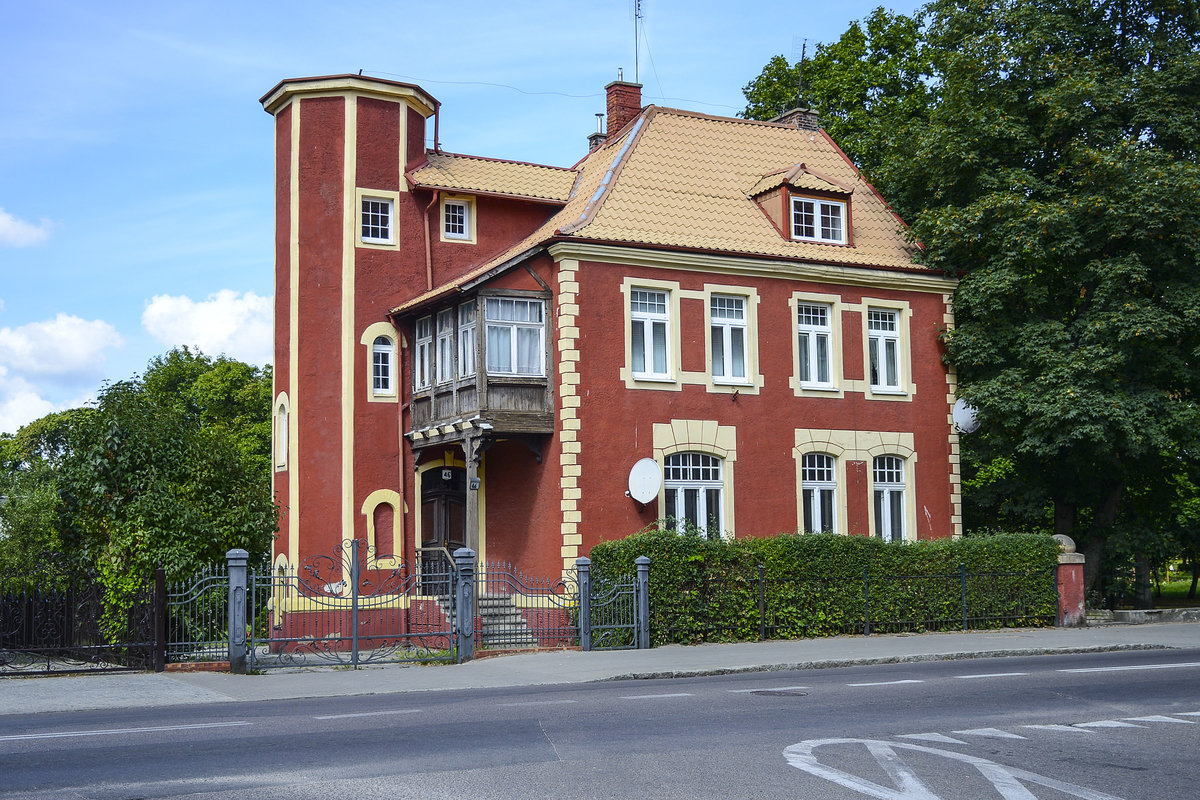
<point x="624" y="103"/>
<point x="803" y="118"/>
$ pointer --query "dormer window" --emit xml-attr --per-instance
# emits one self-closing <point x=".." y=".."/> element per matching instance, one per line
<point x="815" y="220"/>
<point x="804" y="205"/>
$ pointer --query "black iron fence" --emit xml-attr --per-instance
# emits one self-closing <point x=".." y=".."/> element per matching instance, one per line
<point x="355" y="606"/>
<point x="56" y="617"/>
<point x="739" y="608"/>
<point x="350" y="607"/>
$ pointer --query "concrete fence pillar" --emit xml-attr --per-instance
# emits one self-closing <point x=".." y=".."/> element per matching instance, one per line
<point x="464" y="603"/>
<point x="236" y="560"/>
<point x="1071" y="611"/>
<point x="643" y="601"/>
<point x="583" y="572"/>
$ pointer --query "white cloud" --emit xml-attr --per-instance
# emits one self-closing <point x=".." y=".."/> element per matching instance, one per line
<point x="19" y="233"/>
<point x="239" y="326"/>
<point x="21" y="403"/>
<point x="65" y="346"/>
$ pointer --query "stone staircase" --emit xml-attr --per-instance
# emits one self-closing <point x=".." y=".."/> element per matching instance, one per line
<point x="502" y="627"/>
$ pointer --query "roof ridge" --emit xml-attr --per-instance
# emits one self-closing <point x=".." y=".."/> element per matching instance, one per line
<point x="498" y="160"/>
<point x="610" y="176"/>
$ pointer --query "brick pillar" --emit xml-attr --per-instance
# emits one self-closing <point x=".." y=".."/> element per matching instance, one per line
<point x="624" y="103"/>
<point x="1071" y="613"/>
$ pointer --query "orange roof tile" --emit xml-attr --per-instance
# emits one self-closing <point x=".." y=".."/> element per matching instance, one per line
<point x="493" y="176"/>
<point x="680" y="179"/>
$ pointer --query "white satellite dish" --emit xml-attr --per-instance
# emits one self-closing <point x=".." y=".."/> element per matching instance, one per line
<point x="966" y="418"/>
<point x="645" y="479"/>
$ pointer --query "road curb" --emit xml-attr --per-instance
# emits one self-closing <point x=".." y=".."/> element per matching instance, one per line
<point x="863" y="662"/>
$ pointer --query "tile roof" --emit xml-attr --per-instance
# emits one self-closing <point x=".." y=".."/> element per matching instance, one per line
<point x="493" y="176"/>
<point x="679" y="179"/>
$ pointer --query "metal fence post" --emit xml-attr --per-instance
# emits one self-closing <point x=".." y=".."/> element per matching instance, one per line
<point x="762" y="605"/>
<point x="353" y="576"/>
<point x="160" y="619"/>
<point x="237" y="559"/>
<point x="464" y="566"/>
<point x="866" y="601"/>
<point x="583" y="570"/>
<point x="643" y="601"/>
<point x="962" y="574"/>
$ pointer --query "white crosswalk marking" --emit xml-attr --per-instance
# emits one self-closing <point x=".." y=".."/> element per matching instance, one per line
<point x="930" y="737"/>
<point x="1071" y="728"/>
<point x="994" y="733"/>
<point x="1107" y="723"/>
<point x="1160" y="718"/>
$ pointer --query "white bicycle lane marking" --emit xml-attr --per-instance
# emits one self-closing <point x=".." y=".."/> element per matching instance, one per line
<point x="1009" y="782"/>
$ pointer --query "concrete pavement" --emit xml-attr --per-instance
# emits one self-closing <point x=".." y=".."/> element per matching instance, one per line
<point x="133" y="690"/>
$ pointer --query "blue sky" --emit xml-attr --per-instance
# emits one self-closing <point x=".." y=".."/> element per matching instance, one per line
<point x="136" y="165"/>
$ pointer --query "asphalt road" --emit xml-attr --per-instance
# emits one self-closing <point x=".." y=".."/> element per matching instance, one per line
<point x="1123" y="725"/>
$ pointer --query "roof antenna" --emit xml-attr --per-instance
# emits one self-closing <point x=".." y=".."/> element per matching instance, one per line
<point x="800" y="74"/>
<point x="637" y="17"/>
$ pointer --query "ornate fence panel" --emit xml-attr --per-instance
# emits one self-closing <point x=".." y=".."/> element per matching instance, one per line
<point x="517" y="611"/>
<point x="613" y="612"/>
<point x="55" y="618"/>
<point x="197" y="617"/>
<point x="350" y="607"/>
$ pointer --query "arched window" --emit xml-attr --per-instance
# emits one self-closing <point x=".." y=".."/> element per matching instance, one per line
<point x="889" y="498"/>
<point x="383" y="366"/>
<point x="281" y="436"/>
<point x="693" y="484"/>
<point x="818" y="485"/>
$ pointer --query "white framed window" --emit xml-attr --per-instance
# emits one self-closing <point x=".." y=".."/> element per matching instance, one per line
<point x="514" y="336"/>
<point x="456" y="219"/>
<point x="693" y="487"/>
<point x="376" y="221"/>
<point x="423" y="355"/>
<point x="888" y="475"/>
<point x="818" y="486"/>
<point x="883" y="349"/>
<point x="815" y="337"/>
<point x="727" y="319"/>
<point x="383" y="366"/>
<point x="466" y="340"/>
<point x="445" y="345"/>
<point x="649" y="339"/>
<point x="818" y="220"/>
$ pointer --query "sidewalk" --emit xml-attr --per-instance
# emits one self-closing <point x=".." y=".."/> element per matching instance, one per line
<point x="130" y="690"/>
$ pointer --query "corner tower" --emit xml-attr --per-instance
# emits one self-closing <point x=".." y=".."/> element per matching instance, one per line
<point x="343" y="216"/>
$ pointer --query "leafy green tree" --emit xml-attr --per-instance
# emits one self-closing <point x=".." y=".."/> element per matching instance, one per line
<point x="29" y="500"/>
<point x="1056" y="174"/>
<point x="865" y="87"/>
<point x="1045" y="153"/>
<point x="171" y="469"/>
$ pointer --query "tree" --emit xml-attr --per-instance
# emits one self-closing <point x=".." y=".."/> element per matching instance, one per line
<point x="1046" y="154"/>
<point x="171" y="469"/>
<point x="1056" y="174"/>
<point x="865" y="87"/>
<point x="29" y="501"/>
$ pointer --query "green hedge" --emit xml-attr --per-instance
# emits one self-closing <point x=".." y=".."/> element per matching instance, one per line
<point x="813" y="584"/>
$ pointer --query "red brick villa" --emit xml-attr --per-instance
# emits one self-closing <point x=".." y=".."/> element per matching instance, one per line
<point x="473" y="351"/>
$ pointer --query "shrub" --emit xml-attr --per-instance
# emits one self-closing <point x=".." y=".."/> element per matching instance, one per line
<point x="821" y="584"/>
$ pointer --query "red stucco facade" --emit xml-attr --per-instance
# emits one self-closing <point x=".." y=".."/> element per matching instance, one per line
<point x="355" y="461"/>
